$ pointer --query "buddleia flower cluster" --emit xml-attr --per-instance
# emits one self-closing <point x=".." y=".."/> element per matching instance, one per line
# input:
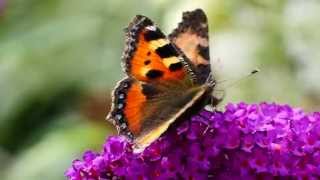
<point x="246" y="141"/>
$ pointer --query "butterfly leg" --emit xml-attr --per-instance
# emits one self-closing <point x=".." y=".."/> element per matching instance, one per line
<point x="210" y="81"/>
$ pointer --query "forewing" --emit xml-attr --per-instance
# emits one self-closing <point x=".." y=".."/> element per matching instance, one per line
<point x="150" y="57"/>
<point x="191" y="36"/>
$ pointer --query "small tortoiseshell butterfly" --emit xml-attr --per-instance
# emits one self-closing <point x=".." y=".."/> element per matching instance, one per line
<point x="166" y="76"/>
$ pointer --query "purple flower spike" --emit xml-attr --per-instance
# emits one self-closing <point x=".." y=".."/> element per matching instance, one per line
<point x="246" y="141"/>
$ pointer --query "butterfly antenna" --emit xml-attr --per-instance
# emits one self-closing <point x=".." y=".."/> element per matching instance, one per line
<point x="236" y="81"/>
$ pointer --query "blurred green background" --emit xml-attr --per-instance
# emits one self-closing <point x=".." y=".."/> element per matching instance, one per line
<point x="60" y="59"/>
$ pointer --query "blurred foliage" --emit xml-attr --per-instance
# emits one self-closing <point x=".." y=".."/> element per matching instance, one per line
<point x="60" y="59"/>
<point x="56" y="149"/>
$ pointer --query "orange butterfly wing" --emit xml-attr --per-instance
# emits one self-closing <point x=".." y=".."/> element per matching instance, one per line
<point x="149" y="56"/>
<point x="128" y="100"/>
<point x="143" y="111"/>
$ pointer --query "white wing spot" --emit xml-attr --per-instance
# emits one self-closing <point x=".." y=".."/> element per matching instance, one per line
<point x="151" y="28"/>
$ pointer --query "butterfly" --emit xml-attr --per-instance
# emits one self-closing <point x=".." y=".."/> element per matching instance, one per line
<point x="166" y="77"/>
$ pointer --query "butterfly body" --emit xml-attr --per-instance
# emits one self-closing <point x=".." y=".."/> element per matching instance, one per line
<point x="165" y="77"/>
